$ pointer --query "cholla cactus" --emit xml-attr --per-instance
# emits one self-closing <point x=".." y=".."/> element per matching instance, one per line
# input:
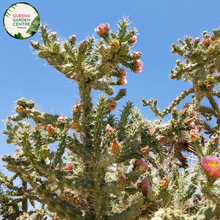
<point x="126" y="168"/>
<point x="16" y="200"/>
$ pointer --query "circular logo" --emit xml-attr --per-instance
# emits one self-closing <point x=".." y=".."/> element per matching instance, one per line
<point x="21" y="20"/>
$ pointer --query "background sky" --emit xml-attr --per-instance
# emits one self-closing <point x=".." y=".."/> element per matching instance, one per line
<point x="159" y="24"/>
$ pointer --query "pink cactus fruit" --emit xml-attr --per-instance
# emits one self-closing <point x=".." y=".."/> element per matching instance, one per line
<point x="50" y="129"/>
<point x="32" y="43"/>
<point x="133" y="40"/>
<point x="214" y="139"/>
<point x="77" y="107"/>
<point x="102" y="29"/>
<point x="145" y="150"/>
<point x="83" y="45"/>
<point x="109" y="130"/>
<point x="137" y="55"/>
<point x="61" y="119"/>
<point x="145" y="186"/>
<point x="212" y="37"/>
<point x="143" y="167"/>
<point x="190" y="120"/>
<point x="72" y="39"/>
<point x="37" y="127"/>
<point x="193" y="135"/>
<point x="122" y="81"/>
<point x="208" y="86"/>
<point x="160" y="139"/>
<point x="68" y="167"/>
<point x="153" y="131"/>
<point x="137" y="66"/>
<point x="123" y="180"/>
<point x="123" y="72"/>
<point x="206" y="42"/>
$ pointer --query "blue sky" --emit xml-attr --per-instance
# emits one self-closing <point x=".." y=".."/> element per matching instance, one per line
<point x="159" y="24"/>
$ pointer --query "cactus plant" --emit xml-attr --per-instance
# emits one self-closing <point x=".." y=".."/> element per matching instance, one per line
<point x="125" y="168"/>
<point x="16" y="201"/>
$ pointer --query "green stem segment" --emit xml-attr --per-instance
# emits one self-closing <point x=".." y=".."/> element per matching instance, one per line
<point x="176" y="101"/>
<point x="24" y="201"/>
<point x="85" y="90"/>
<point x="60" y="151"/>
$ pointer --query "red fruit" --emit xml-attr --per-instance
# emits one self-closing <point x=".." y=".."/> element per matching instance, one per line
<point x="160" y="139"/>
<point x="51" y="130"/>
<point x="214" y="139"/>
<point x="133" y="40"/>
<point x="212" y="37"/>
<point x="145" y="150"/>
<point x="123" y="179"/>
<point x="109" y="130"/>
<point x="123" y="72"/>
<point x="102" y="29"/>
<point x="122" y="81"/>
<point x="115" y="147"/>
<point x="137" y="66"/>
<point x="32" y="43"/>
<point x="208" y="86"/>
<point x="61" y="119"/>
<point x="145" y="186"/>
<point x="68" y="167"/>
<point x="141" y="164"/>
<point x="193" y="135"/>
<point x="153" y="132"/>
<point x="137" y="55"/>
<point x="77" y="107"/>
<point x="206" y="42"/>
<point x="72" y="39"/>
<point x="83" y="45"/>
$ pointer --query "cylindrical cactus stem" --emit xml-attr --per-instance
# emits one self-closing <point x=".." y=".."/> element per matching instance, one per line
<point x="207" y="213"/>
<point x="131" y="212"/>
<point x="176" y="101"/>
<point x="113" y="187"/>
<point x="80" y="184"/>
<point x="105" y="160"/>
<point x="55" y="204"/>
<point x="216" y="93"/>
<point x="24" y="201"/>
<point x="44" y="34"/>
<point x="9" y="184"/>
<point x="121" y="94"/>
<point x="128" y="156"/>
<point x="27" y="149"/>
<point x="213" y="103"/>
<point x="124" y="119"/>
<point x="99" y="195"/>
<point x="205" y="110"/>
<point x="60" y="151"/>
<point x="78" y="148"/>
<point x="98" y="118"/>
<point x="133" y="134"/>
<point x="12" y="162"/>
<point x="123" y="182"/>
<point x="84" y="91"/>
<point x="103" y="86"/>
